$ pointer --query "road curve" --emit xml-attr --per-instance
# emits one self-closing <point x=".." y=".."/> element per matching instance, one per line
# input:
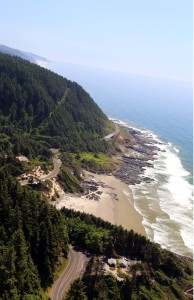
<point x="57" y="165"/>
<point x="76" y="264"/>
<point x="109" y="137"/>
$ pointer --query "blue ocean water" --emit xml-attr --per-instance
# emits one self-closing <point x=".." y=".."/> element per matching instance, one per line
<point x="163" y="107"/>
<point x="160" y="105"/>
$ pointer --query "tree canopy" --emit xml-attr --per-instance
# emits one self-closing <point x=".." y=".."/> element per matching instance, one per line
<point x="33" y="237"/>
<point x="40" y="109"/>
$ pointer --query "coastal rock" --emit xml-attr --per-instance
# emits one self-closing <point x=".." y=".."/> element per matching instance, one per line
<point x="143" y="152"/>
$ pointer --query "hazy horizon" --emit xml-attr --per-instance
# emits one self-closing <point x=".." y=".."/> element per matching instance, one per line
<point x="144" y="38"/>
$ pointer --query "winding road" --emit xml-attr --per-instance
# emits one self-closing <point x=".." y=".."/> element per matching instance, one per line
<point x="109" y="137"/>
<point x="57" y="165"/>
<point x="57" y="162"/>
<point x="76" y="264"/>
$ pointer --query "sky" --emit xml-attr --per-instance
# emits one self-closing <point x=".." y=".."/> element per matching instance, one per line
<point x="147" y="37"/>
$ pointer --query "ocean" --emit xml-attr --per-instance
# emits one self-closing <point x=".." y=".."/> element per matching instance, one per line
<point x="162" y="108"/>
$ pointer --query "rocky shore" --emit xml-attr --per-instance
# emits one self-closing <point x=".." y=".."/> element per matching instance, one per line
<point x="93" y="187"/>
<point x="142" y="151"/>
<point x="104" y="197"/>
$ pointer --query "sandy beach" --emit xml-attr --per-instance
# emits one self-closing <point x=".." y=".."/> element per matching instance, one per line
<point x="110" y="201"/>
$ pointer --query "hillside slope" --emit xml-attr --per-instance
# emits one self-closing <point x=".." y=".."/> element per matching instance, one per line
<point x="40" y="110"/>
<point x="16" y="52"/>
<point x="40" y="105"/>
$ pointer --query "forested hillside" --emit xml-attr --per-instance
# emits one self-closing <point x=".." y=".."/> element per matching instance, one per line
<point x="40" y="109"/>
<point x="33" y="237"/>
<point x="157" y="273"/>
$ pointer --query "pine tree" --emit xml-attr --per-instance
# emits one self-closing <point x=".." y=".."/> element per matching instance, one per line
<point x="27" y="275"/>
<point x="76" y="291"/>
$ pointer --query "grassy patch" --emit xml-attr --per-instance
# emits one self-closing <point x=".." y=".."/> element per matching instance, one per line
<point x="110" y="127"/>
<point x="46" y="166"/>
<point x="99" y="158"/>
<point x="126" y="135"/>
<point x="95" y="162"/>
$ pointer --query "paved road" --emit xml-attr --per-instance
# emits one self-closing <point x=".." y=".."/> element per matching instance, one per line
<point x="76" y="264"/>
<point x="57" y="165"/>
<point x="109" y="137"/>
<point x="189" y="291"/>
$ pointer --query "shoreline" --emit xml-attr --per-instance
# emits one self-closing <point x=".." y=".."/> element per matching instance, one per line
<point x="140" y="151"/>
<point x="110" y="196"/>
<point x="108" y="202"/>
<point x="164" y="196"/>
<point x="134" y="197"/>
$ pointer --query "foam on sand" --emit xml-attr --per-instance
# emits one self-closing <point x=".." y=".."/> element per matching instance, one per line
<point x="166" y="205"/>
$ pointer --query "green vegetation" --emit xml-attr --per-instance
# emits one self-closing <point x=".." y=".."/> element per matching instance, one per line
<point x="89" y="236"/>
<point x="76" y="291"/>
<point x="126" y="135"/>
<point x="33" y="238"/>
<point x="40" y="110"/>
<point x="95" y="161"/>
<point x="70" y="174"/>
<point x="158" y="274"/>
<point x="68" y="181"/>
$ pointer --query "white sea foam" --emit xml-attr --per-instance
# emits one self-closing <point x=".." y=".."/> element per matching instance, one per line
<point x="149" y="231"/>
<point x="176" y="149"/>
<point x="119" y="122"/>
<point x="129" y="196"/>
<point x="149" y="172"/>
<point x="188" y="240"/>
<point x="145" y="192"/>
<point x="168" y="198"/>
<point x="166" y="236"/>
<point x="176" y="196"/>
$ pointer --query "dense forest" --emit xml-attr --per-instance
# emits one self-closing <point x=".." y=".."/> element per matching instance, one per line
<point x="160" y="274"/>
<point x="40" y="110"/>
<point x="33" y="237"/>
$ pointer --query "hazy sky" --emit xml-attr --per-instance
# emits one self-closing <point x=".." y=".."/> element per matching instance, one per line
<point x="151" y="37"/>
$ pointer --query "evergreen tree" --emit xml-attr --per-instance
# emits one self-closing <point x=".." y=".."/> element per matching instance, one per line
<point x="27" y="275"/>
<point x="76" y="291"/>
